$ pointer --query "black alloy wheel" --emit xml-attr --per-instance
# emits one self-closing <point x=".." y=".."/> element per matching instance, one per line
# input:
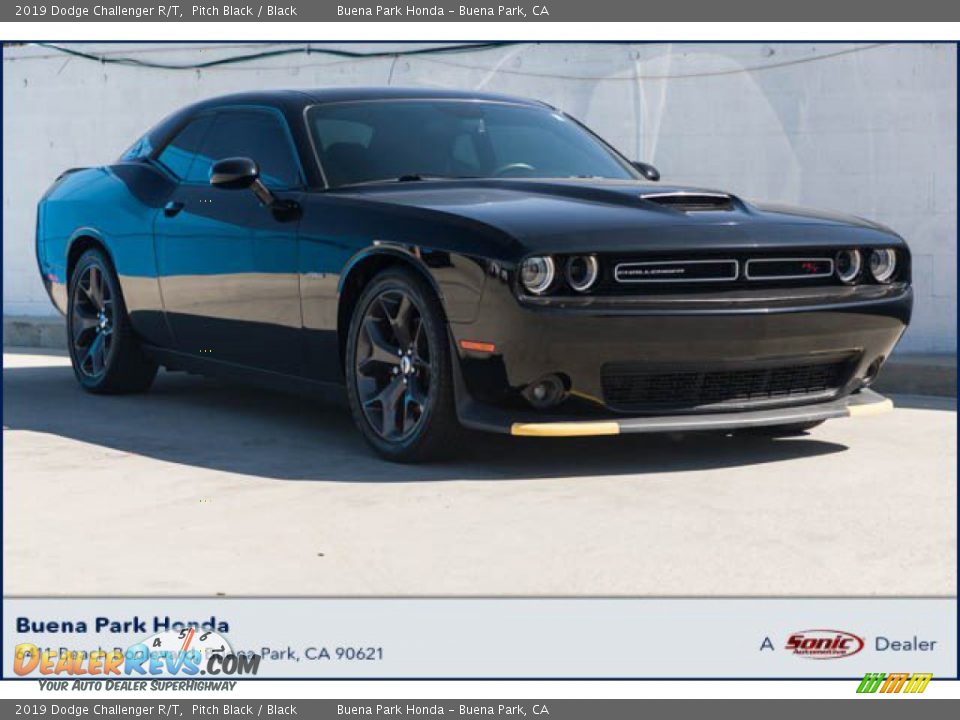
<point x="104" y="349"/>
<point x="92" y="321"/>
<point x="398" y="368"/>
<point x="393" y="365"/>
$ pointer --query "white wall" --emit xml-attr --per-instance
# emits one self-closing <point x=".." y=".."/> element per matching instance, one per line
<point x="870" y="130"/>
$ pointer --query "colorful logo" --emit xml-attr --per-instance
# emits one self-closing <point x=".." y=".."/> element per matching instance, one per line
<point x="824" y="644"/>
<point x="814" y="267"/>
<point x="172" y="652"/>
<point x="894" y="683"/>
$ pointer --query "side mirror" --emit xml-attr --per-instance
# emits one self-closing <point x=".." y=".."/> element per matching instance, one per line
<point x="237" y="173"/>
<point x="240" y="173"/>
<point x="647" y="170"/>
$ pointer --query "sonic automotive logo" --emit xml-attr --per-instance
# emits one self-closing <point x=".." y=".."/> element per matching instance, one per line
<point x="824" y="644"/>
<point x="894" y="683"/>
<point x="172" y="652"/>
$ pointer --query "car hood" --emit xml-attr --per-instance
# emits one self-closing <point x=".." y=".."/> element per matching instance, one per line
<point x="617" y="215"/>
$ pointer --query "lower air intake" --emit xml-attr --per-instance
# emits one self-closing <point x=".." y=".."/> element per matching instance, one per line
<point x="633" y="387"/>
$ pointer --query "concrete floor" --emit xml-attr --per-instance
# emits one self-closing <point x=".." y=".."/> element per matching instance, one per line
<point x="206" y="488"/>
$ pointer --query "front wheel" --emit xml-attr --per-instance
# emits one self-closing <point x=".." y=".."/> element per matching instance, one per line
<point x="398" y="368"/>
<point x="104" y="350"/>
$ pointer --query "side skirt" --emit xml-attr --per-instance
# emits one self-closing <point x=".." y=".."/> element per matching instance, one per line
<point x="332" y="393"/>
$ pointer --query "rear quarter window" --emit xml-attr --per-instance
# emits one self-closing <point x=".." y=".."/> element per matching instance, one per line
<point x="141" y="149"/>
<point x="179" y="154"/>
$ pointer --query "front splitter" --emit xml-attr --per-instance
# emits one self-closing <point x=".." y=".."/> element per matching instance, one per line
<point x="860" y="404"/>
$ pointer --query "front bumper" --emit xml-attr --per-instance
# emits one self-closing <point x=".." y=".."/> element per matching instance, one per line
<point x="582" y="343"/>
<point x="860" y="404"/>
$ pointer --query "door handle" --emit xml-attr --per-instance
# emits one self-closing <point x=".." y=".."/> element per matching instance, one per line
<point x="172" y="208"/>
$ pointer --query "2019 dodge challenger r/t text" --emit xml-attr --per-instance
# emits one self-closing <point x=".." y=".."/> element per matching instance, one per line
<point x="448" y="260"/>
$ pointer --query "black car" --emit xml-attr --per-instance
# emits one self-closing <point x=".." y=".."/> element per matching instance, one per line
<point x="456" y="259"/>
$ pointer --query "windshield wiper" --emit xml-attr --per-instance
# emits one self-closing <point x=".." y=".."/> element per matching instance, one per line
<point x="410" y="177"/>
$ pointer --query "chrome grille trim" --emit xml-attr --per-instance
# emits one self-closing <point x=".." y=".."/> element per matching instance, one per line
<point x="620" y="267"/>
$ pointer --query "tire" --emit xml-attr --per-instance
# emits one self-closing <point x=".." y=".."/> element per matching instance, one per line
<point x="403" y="404"/>
<point x="783" y="430"/>
<point x="104" y="349"/>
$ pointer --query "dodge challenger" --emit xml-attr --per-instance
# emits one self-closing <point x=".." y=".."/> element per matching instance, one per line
<point x="443" y="260"/>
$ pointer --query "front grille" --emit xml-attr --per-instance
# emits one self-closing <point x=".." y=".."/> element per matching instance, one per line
<point x="671" y="271"/>
<point x="637" y="387"/>
<point x="802" y="268"/>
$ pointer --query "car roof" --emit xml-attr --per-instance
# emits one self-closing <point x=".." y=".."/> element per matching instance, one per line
<point x="292" y="100"/>
<point x="404" y="93"/>
<point x="340" y="94"/>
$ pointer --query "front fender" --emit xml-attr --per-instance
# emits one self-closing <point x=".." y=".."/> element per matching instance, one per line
<point x="457" y="279"/>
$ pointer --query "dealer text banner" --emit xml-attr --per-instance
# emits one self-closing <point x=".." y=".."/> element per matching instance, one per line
<point x="189" y="708"/>
<point x="241" y="638"/>
<point x="472" y="10"/>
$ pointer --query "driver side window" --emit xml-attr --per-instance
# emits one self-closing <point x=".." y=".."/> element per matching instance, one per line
<point x="255" y="134"/>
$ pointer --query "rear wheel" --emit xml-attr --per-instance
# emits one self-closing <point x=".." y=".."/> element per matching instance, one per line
<point x="104" y="351"/>
<point x="398" y="367"/>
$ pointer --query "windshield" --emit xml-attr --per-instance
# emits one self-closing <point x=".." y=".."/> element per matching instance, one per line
<point x="384" y="140"/>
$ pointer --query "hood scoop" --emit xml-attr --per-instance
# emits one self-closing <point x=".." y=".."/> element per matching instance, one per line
<point x="691" y="201"/>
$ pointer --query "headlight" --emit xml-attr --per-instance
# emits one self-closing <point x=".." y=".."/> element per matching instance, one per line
<point x="848" y="264"/>
<point x="537" y="273"/>
<point x="582" y="271"/>
<point x="883" y="264"/>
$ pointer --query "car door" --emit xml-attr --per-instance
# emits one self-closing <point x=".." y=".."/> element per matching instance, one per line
<point x="227" y="263"/>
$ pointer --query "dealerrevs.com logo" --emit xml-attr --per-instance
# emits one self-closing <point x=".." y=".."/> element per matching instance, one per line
<point x="824" y="644"/>
<point x="184" y="652"/>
